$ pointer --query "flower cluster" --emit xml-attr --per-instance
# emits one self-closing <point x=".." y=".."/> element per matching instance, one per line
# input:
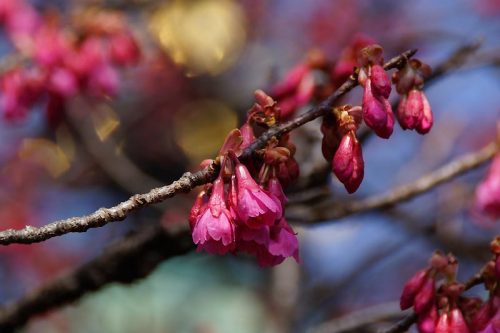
<point x="316" y="77"/>
<point x="438" y="300"/>
<point x="340" y="145"/>
<point x="61" y="61"/>
<point x="414" y="110"/>
<point x="238" y="214"/>
<point x="488" y="192"/>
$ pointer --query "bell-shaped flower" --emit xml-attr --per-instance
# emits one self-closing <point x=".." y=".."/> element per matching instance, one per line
<point x="214" y="230"/>
<point x="255" y="206"/>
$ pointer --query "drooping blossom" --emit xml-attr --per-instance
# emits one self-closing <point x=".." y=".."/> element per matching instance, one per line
<point x="255" y="206"/>
<point x="348" y="164"/>
<point x="214" y="229"/>
<point x="487" y="199"/>
<point x="271" y="245"/>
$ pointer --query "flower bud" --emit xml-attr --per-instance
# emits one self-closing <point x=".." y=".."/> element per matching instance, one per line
<point x="348" y="164"/>
<point x="457" y="322"/>
<point x="427" y="120"/>
<point x="377" y="112"/>
<point x="381" y="83"/>
<point x="443" y="325"/>
<point x="425" y="297"/>
<point x="411" y="289"/>
<point x="427" y="322"/>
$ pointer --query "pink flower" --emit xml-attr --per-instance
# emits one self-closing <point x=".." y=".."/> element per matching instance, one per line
<point x="377" y="112"/>
<point x="275" y="188"/>
<point x="104" y="81"/>
<point x="255" y="207"/>
<point x="348" y="164"/>
<point x="488" y="192"/>
<point x="283" y="241"/>
<point x="271" y="245"/>
<point x="214" y="229"/>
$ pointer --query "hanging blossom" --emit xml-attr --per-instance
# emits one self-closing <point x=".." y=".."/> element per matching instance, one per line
<point x="62" y="62"/>
<point x="437" y="298"/>
<point x="488" y="191"/>
<point x="377" y="111"/>
<point x="242" y="211"/>
<point x="414" y="110"/>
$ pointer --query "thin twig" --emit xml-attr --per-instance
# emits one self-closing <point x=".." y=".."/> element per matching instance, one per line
<point x="401" y="193"/>
<point x="186" y="183"/>
<point x="126" y="261"/>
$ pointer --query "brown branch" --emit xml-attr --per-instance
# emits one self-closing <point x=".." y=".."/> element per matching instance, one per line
<point x="404" y="192"/>
<point x="186" y="183"/>
<point x="104" y="216"/>
<point x="126" y="261"/>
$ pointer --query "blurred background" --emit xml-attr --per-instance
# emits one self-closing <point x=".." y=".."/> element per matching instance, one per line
<point x="201" y="61"/>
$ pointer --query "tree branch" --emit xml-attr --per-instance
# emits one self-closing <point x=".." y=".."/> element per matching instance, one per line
<point x="403" y="192"/>
<point x="186" y="183"/>
<point x="103" y="216"/>
<point x="126" y="261"/>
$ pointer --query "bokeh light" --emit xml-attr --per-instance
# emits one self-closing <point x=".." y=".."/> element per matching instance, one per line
<point x="201" y="126"/>
<point x="205" y="36"/>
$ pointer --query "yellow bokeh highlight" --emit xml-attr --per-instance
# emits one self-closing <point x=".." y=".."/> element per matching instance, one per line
<point x="105" y="121"/>
<point x="200" y="128"/>
<point x="205" y="36"/>
<point x="46" y="154"/>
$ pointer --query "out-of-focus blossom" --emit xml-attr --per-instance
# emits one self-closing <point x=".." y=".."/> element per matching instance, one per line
<point x="488" y="191"/>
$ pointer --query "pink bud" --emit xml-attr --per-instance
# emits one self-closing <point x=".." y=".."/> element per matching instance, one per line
<point x="291" y="81"/>
<point x="377" y="112"/>
<point x="410" y="110"/>
<point x="457" y="322"/>
<point x="198" y="207"/>
<point x="348" y="164"/>
<point x="427" y="120"/>
<point x="488" y="192"/>
<point x="425" y="297"/>
<point x="411" y="289"/>
<point x="443" y="325"/>
<point x="428" y="320"/>
<point x="381" y="83"/>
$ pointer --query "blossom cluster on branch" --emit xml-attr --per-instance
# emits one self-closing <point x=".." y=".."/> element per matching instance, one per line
<point x="61" y="61"/>
<point x="440" y="304"/>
